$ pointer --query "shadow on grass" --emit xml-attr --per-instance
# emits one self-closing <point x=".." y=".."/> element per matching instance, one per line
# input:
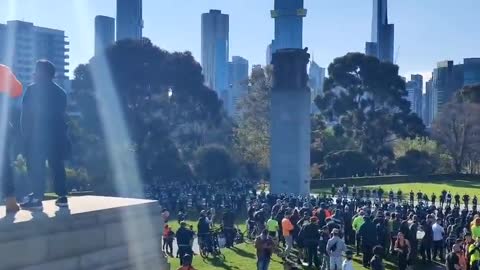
<point x="243" y="253"/>
<point x="220" y="262"/>
<point x="463" y="184"/>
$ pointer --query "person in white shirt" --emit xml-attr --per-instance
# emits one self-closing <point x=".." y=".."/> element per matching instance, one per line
<point x="438" y="234"/>
<point x="348" y="262"/>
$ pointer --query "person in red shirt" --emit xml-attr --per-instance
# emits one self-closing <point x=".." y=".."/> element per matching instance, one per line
<point x="10" y="87"/>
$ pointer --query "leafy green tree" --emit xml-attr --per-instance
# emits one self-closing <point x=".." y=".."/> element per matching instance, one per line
<point x="416" y="162"/>
<point x="347" y="163"/>
<point x="366" y="99"/>
<point x="168" y="110"/>
<point x="214" y="163"/>
<point x="252" y="134"/>
<point x="441" y="158"/>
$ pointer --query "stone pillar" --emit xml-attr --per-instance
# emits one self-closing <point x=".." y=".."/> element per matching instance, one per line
<point x="290" y="123"/>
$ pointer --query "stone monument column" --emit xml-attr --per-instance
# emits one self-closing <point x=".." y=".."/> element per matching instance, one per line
<point x="290" y="123"/>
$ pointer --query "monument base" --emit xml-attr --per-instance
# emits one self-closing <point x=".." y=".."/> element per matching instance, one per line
<point x="93" y="233"/>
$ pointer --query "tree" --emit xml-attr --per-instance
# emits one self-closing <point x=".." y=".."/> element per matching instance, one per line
<point x="325" y="142"/>
<point x="366" y="99"/>
<point x="470" y="93"/>
<point x="457" y="129"/>
<point x="214" y="163"/>
<point x="416" y="162"/>
<point x="252" y="134"/>
<point x="441" y="159"/>
<point x="167" y="109"/>
<point x="347" y="163"/>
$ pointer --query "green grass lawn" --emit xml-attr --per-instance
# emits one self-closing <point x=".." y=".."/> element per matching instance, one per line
<point x="461" y="186"/>
<point x="242" y="257"/>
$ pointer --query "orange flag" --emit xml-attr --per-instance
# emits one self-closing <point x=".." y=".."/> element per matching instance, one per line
<point x="9" y="83"/>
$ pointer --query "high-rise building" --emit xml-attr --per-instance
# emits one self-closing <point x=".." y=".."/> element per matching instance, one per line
<point x="215" y="51"/>
<point x="411" y="86"/>
<point x="471" y="71"/>
<point x="238" y="82"/>
<point x="129" y="19"/>
<point x="269" y="54"/>
<point x="427" y="103"/>
<point x="383" y="33"/>
<point x="417" y="104"/>
<point x="447" y="79"/>
<point x="22" y="44"/>
<point x="288" y="15"/>
<point x="104" y="33"/>
<point x="316" y="76"/>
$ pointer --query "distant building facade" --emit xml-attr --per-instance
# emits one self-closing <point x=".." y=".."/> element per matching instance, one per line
<point x="316" y="79"/>
<point x="447" y="79"/>
<point x="416" y="101"/>
<point x="129" y="19"/>
<point x="268" y="56"/>
<point x="427" y="103"/>
<point x="238" y="82"/>
<point x="23" y="43"/>
<point x="383" y="33"/>
<point x="471" y="71"/>
<point x="215" y="52"/>
<point x="104" y="33"/>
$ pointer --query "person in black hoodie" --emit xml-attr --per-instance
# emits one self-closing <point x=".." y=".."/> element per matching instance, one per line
<point x="311" y="235"/>
<point x="322" y="247"/>
<point x="228" y="221"/>
<point x="412" y="238"/>
<point x="427" y="240"/>
<point x="368" y="235"/>
<point x="44" y="132"/>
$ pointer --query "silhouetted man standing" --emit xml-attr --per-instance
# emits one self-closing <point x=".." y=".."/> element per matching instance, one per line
<point x="44" y="133"/>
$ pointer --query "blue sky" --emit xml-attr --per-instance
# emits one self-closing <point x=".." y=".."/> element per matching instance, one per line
<point x="427" y="31"/>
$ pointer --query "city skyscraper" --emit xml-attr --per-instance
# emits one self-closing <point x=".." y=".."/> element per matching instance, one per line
<point x="238" y="82"/>
<point x="316" y="76"/>
<point x="215" y="52"/>
<point x="471" y="71"/>
<point x="268" y="56"/>
<point x="417" y="104"/>
<point x="427" y="103"/>
<point x="383" y="33"/>
<point x="23" y="43"/>
<point x="288" y="16"/>
<point x="447" y="79"/>
<point x="129" y="19"/>
<point x="104" y="33"/>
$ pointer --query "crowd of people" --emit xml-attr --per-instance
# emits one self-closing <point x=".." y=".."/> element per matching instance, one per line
<point x="405" y="230"/>
<point x="194" y="197"/>
<point x="327" y="231"/>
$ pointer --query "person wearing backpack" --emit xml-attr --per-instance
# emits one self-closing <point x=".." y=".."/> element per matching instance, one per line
<point x="335" y="249"/>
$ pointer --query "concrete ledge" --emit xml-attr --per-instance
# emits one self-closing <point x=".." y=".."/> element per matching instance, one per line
<point x="95" y="233"/>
